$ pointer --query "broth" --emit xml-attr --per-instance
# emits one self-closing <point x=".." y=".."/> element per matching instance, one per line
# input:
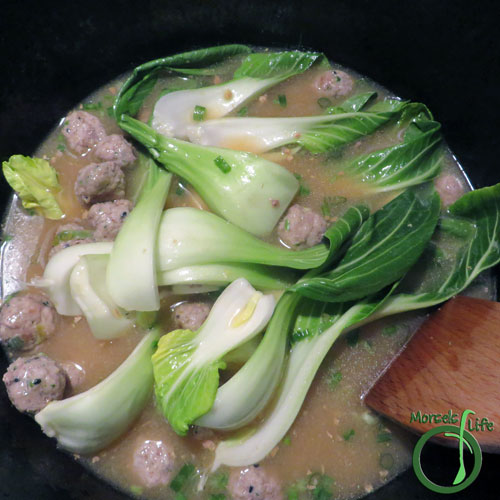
<point x="334" y="434"/>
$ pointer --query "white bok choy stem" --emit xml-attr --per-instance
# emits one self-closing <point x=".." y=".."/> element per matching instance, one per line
<point x="186" y="364"/>
<point x="89" y="421"/>
<point x="175" y="111"/>
<point x="131" y="272"/>
<point x="56" y="276"/>
<point x="88" y="288"/>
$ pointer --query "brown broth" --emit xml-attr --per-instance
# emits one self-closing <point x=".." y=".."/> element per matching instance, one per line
<point x="335" y="433"/>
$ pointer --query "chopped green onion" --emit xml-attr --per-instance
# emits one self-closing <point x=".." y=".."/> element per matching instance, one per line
<point x="324" y="102"/>
<point x="6" y="238"/>
<point x="182" y="477"/>
<point x="222" y="164"/>
<point x="70" y="235"/>
<point x="281" y="100"/>
<point x="368" y="346"/>
<point x="180" y="496"/>
<point x="61" y="147"/>
<point x="136" y="490"/>
<point x="349" y="434"/>
<point x="287" y="441"/>
<point x="219" y="496"/>
<point x="287" y="225"/>
<point x="334" y="379"/>
<point x="389" y="330"/>
<point x="243" y="111"/>
<point x="384" y="437"/>
<point x="218" y="481"/>
<point x="199" y="113"/>
<point x="92" y="106"/>
<point x="304" y="190"/>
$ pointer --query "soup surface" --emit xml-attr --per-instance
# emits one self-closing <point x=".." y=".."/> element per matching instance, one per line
<point x="335" y="442"/>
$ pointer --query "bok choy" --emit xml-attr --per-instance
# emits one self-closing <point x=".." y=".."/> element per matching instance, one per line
<point x="339" y="126"/>
<point x="188" y="236"/>
<point x="480" y="249"/>
<point x="245" y="189"/>
<point x="131" y="271"/>
<point x="89" y="421"/>
<point x="186" y="364"/>
<point x="244" y="395"/>
<point x="174" y="112"/>
<point x="414" y="161"/>
<point x="88" y="288"/>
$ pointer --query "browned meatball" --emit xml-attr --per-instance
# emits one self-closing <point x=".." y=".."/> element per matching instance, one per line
<point x="301" y="227"/>
<point x="107" y="218"/>
<point x="99" y="182"/>
<point x="82" y="131"/>
<point x="334" y="83"/>
<point x="115" y="148"/>
<point x="34" y="382"/>
<point x="26" y="320"/>
<point x="70" y="235"/>
<point x="191" y="315"/>
<point x="450" y="188"/>
<point x="253" y="483"/>
<point x="154" y="463"/>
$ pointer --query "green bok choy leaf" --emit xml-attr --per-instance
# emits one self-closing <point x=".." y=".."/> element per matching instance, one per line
<point x="88" y="422"/>
<point x="245" y="189"/>
<point x="36" y="183"/>
<point x="414" y="161"/>
<point x="186" y="364"/>
<point x="383" y="250"/>
<point x="188" y="236"/>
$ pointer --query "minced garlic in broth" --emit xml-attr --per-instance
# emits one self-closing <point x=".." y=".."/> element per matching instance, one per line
<point x="334" y="434"/>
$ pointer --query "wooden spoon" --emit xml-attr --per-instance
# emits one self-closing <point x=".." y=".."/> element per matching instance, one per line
<point x="451" y="363"/>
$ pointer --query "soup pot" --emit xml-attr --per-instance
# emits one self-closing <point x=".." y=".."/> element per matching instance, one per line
<point x="53" y="54"/>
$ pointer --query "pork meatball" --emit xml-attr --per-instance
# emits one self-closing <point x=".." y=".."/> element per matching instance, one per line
<point x="82" y="131"/>
<point x="26" y="320"/>
<point x="117" y="149"/>
<point x="253" y="483"/>
<point x="34" y="382"/>
<point x="334" y="83"/>
<point x="75" y="375"/>
<point x="449" y="188"/>
<point x="154" y="463"/>
<point x="107" y="218"/>
<point x="191" y="315"/>
<point x="99" y="182"/>
<point x="69" y="235"/>
<point x="301" y="227"/>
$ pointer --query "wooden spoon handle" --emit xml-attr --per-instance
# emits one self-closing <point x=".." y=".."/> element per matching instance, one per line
<point x="451" y="364"/>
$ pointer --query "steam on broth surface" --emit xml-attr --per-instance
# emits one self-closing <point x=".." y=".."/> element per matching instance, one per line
<point x="335" y="443"/>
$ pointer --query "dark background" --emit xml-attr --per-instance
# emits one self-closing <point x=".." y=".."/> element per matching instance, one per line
<point x="54" y="53"/>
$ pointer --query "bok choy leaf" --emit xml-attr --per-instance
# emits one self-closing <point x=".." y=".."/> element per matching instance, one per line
<point x="383" y="250"/>
<point x="186" y="364"/>
<point x="245" y="189"/>
<point x="188" y="236"/>
<point x="89" y="421"/>
<point x="36" y="183"/>
<point x="416" y="160"/>
<point x="143" y="79"/>
<point x="173" y="112"/>
<point x="131" y="271"/>
<point x="261" y="277"/>
<point x="317" y="134"/>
